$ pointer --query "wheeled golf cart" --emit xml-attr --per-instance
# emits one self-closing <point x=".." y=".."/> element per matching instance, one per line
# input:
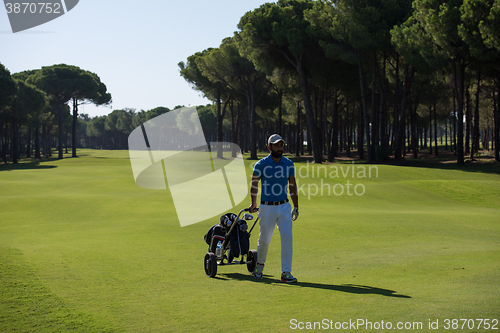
<point x="228" y="240"/>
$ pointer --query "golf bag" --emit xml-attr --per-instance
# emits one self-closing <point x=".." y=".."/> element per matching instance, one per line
<point x="239" y="239"/>
<point x="213" y="236"/>
<point x="228" y="240"/>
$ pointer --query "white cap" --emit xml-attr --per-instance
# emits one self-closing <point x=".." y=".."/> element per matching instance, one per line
<point x="275" y="138"/>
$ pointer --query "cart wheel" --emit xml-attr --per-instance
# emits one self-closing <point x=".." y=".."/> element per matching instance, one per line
<point x="210" y="264"/>
<point x="251" y="260"/>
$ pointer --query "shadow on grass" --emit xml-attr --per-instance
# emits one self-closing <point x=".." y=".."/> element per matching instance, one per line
<point x="485" y="166"/>
<point x="346" y="288"/>
<point x="28" y="164"/>
<point x="483" y="163"/>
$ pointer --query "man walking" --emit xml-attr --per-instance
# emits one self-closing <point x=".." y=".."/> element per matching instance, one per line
<point x="277" y="174"/>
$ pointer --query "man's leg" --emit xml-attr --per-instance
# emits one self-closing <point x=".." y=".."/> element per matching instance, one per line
<point x="285" y="228"/>
<point x="267" y="223"/>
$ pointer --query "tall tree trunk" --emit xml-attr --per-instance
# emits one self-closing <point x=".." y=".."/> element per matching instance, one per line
<point x="333" y="131"/>
<point x="414" y="133"/>
<point x="220" y="118"/>
<point x="365" y="112"/>
<point x="309" y="142"/>
<point x="414" y="126"/>
<point x="361" y="133"/>
<point x="239" y="127"/>
<point x="435" y="129"/>
<point x="37" y="140"/>
<point x="459" y="83"/>
<point x="299" y="131"/>
<point x="44" y="140"/>
<point x="60" y="122"/>
<point x="28" y="148"/>
<point x="400" y="136"/>
<point x="312" y="134"/>
<point x="468" y="119"/>
<point x="374" y="123"/>
<point x="475" y="131"/>
<point x="15" y="141"/>
<point x="322" y="134"/>
<point x="496" y="118"/>
<point x="4" y="141"/>
<point x="446" y="133"/>
<point x="219" y="124"/>
<point x="486" y="141"/>
<point x="382" y="136"/>
<point x="430" y="130"/>
<point x="66" y="141"/>
<point x="349" y="130"/>
<point x="75" y="123"/>
<point x="253" y="126"/>
<point x="454" y="136"/>
<point x="395" y="126"/>
<point x="339" y="144"/>
<point x="289" y="146"/>
<point x="233" y="129"/>
<point x="421" y="136"/>
<point x="280" y="112"/>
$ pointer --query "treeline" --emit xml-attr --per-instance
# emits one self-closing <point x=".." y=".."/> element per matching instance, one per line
<point x="34" y="109"/>
<point x="380" y="77"/>
<point x="111" y="131"/>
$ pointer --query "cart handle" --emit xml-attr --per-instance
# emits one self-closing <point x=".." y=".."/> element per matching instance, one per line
<point x="247" y="210"/>
<point x="226" y="239"/>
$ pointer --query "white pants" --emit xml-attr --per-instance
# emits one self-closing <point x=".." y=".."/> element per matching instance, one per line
<point x="270" y="217"/>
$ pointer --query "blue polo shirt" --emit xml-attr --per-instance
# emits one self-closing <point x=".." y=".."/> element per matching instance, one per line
<point x="274" y="177"/>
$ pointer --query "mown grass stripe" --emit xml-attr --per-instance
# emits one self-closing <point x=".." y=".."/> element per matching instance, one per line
<point x="27" y="305"/>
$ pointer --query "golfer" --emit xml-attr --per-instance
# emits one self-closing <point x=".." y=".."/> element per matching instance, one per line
<point x="277" y="174"/>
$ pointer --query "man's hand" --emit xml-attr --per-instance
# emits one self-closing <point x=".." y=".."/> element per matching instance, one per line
<point x="252" y="208"/>
<point x="295" y="213"/>
<point x="253" y="193"/>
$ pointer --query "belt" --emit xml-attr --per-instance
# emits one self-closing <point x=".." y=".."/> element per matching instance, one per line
<point x="273" y="203"/>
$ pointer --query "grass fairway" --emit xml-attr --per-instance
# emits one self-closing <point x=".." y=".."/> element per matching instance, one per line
<point x="84" y="249"/>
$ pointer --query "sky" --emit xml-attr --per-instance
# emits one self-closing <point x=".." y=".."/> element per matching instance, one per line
<point x="133" y="46"/>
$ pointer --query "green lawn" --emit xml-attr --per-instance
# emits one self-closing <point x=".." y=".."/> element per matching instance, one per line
<point x="83" y="248"/>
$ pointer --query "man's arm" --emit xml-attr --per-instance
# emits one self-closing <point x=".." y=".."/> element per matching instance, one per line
<point x="254" y="189"/>
<point x="292" y="187"/>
